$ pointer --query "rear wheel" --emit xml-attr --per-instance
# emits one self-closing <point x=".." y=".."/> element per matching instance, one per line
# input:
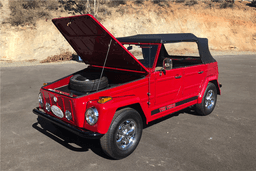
<point x="209" y="100"/>
<point x="123" y="135"/>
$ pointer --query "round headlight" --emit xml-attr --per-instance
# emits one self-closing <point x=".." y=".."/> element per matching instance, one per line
<point x="68" y="115"/>
<point x="48" y="107"/>
<point x="40" y="98"/>
<point x="91" y="115"/>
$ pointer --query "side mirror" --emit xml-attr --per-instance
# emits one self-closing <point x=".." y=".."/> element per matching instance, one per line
<point x="167" y="64"/>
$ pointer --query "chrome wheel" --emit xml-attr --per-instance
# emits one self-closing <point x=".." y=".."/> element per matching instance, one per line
<point x="125" y="135"/>
<point x="210" y="99"/>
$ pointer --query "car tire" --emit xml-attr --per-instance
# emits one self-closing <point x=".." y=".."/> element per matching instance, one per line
<point x="208" y="102"/>
<point x="123" y="135"/>
<point x="87" y="83"/>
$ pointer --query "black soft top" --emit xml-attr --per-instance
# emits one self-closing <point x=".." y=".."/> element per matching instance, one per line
<point x="202" y="43"/>
<point x="160" y="38"/>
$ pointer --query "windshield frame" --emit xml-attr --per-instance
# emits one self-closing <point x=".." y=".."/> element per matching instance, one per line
<point x="144" y="44"/>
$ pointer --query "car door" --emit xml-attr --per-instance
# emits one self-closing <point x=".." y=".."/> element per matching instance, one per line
<point x="192" y="79"/>
<point x="168" y="85"/>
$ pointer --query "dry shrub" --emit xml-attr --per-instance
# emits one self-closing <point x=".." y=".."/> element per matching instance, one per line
<point x="52" y="5"/>
<point x="66" y="56"/>
<point x="104" y="11"/>
<point x="27" y="12"/>
<point x="121" y="11"/>
<point x="179" y="1"/>
<point x="209" y="4"/>
<point x="162" y="3"/>
<point x="1" y="5"/>
<point x="217" y="0"/>
<point x="158" y="1"/>
<point x="85" y="6"/>
<point x="139" y="2"/>
<point x="75" y="6"/>
<point x="252" y="4"/>
<point x="191" y="2"/>
<point x="115" y="3"/>
<point x="225" y="4"/>
<point x="30" y="60"/>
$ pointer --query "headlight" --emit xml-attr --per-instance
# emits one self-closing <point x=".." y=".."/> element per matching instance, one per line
<point x="40" y="98"/>
<point x="48" y="107"/>
<point x="68" y="115"/>
<point x="91" y="115"/>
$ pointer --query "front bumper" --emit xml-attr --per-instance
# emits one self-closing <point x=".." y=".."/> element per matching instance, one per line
<point x="78" y="131"/>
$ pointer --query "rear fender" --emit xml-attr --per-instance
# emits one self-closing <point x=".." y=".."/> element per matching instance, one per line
<point x="107" y="112"/>
<point x="212" y="79"/>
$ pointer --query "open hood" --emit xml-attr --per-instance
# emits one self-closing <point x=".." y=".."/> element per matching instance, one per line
<point x="91" y="40"/>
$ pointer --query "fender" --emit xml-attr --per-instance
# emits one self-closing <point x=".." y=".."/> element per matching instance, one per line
<point x="213" y="79"/>
<point x="107" y="112"/>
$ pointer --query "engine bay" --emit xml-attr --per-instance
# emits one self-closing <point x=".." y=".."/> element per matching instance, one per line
<point x="88" y="81"/>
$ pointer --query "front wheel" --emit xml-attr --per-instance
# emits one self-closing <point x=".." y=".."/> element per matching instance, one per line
<point x="209" y="100"/>
<point x="123" y="135"/>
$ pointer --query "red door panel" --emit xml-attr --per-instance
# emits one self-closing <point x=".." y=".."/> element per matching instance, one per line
<point x="192" y="79"/>
<point x="168" y="86"/>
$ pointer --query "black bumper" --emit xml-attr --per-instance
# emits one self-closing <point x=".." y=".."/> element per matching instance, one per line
<point x="78" y="131"/>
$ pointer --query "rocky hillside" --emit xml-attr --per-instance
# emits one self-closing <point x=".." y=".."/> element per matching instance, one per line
<point x="229" y="27"/>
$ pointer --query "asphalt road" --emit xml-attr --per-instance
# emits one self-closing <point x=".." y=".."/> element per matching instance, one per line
<point x="224" y="140"/>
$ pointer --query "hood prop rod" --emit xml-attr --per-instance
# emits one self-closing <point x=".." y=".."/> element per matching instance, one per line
<point x="104" y="64"/>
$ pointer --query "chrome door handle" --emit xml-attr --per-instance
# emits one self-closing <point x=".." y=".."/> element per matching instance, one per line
<point x="200" y="72"/>
<point x="177" y="77"/>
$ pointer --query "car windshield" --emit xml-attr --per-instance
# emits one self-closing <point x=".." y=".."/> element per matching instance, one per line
<point x="144" y="53"/>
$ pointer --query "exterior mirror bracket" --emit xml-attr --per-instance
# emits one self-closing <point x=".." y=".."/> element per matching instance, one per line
<point x="167" y="64"/>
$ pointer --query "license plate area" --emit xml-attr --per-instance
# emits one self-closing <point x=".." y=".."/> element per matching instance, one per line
<point x="57" y="111"/>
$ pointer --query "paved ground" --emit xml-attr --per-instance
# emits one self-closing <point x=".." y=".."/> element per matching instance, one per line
<point x="224" y="140"/>
<point x="10" y="63"/>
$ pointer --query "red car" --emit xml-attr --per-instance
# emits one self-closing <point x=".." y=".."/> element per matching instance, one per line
<point x="130" y="81"/>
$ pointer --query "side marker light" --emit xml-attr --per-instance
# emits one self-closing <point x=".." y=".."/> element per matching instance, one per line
<point x="104" y="99"/>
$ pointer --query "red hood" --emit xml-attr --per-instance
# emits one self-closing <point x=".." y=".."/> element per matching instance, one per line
<point x="90" y="40"/>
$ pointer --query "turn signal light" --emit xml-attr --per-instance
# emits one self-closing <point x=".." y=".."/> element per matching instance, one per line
<point x="104" y="99"/>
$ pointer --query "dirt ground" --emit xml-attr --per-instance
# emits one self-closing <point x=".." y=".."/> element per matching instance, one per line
<point x="229" y="30"/>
